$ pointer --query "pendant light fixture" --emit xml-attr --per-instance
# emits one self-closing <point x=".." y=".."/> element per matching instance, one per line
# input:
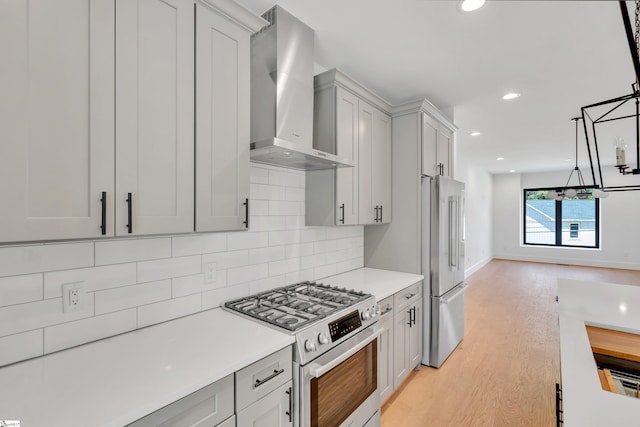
<point x="581" y="191"/>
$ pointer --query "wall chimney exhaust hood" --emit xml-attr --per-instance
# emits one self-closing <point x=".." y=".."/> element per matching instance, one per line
<point x="282" y="96"/>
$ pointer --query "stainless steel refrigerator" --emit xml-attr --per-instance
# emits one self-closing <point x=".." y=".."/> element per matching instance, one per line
<point x="443" y="264"/>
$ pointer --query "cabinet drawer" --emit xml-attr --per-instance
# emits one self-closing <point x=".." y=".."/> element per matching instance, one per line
<point x="206" y="407"/>
<point x="261" y="378"/>
<point x="407" y="296"/>
<point x="386" y="308"/>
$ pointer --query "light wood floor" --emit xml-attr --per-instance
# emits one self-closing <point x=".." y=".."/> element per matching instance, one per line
<point x="504" y="372"/>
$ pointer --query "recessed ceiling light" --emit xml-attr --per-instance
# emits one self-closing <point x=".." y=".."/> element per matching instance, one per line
<point x="471" y="5"/>
<point x="500" y="158"/>
<point x="512" y="171"/>
<point x="475" y="133"/>
<point x="567" y="160"/>
<point x="511" y="95"/>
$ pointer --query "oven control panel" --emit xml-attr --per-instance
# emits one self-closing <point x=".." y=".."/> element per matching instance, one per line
<point x="344" y="325"/>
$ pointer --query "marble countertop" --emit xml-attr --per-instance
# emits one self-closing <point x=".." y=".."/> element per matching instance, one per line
<point x="606" y="305"/>
<point x="380" y="283"/>
<point x="115" y="381"/>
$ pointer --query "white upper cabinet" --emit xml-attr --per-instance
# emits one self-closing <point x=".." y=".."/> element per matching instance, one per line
<point x="154" y="116"/>
<point x="56" y="118"/>
<point x="348" y="122"/>
<point x="222" y="122"/>
<point x="437" y="148"/>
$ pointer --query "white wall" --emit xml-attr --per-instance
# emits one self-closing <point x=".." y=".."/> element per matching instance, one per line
<point x="478" y="212"/>
<point x="619" y="231"/>
<point x="133" y="283"/>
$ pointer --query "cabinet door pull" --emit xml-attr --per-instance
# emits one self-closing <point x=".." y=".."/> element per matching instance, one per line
<point x="409" y="312"/>
<point x="413" y="319"/>
<point x="290" y="411"/>
<point x="409" y="296"/>
<point x="387" y="310"/>
<point x="376" y="209"/>
<point x="130" y="212"/>
<point x="103" y="225"/>
<point x="380" y="213"/>
<point x="342" y="214"/>
<point x="260" y="382"/>
<point x="246" y="213"/>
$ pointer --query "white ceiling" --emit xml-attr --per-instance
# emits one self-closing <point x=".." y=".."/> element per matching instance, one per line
<point x="560" y="55"/>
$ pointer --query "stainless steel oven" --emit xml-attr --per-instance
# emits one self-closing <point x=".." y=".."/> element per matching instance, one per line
<point x="341" y="386"/>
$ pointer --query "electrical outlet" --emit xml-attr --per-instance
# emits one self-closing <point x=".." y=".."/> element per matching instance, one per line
<point x="210" y="272"/>
<point x="72" y="296"/>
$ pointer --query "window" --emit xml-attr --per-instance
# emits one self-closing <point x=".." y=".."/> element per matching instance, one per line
<point x="568" y="222"/>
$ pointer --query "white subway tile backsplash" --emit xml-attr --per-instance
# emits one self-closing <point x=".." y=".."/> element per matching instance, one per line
<point x="132" y="296"/>
<point x="94" y="278"/>
<point x="313" y="234"/>
<point x="298" y="250"/>
<point x="246" y="240"/>
<point x="20" y="346"/>
<point x="217" y="297"/>
<point x="246" y="274"/>
<point x="269" y="283"/>
<point x="258" y="256"/>
<point x="267" y="223"/>
<point x="286" y="178"/>
<point x="294" y="222"/>
<point x="294" y="194"/>
<point x="278" y="268"/>
<point x="348" y="265"/>
<point x="349" y="242"/>
<point x="343" y="232"/>
<point x="198" y="244"/>
<point x="324" y="246"/>
<point x="226" y="260"/>
<point x="132" y="250"/>
<point x="18" y="260"/>
<point x="167" y="310"/>
<point x="345" y="254"/>
<point x="257" y="208"/>
<point x="20" y="289"/>
<point x="182" y="286"/>
<point x="168" y="268"/>
<point x="311" y="261"/>
<point x="284" y="237"/>
<point x="265" y="192"/>
<point x="34" y="315"/>
<point x="70" y="334"/>
<point x="259" y="175"/>
<point x="325" y="271"/>
<point x="279" y="207"/>
<point x="300" y="276"/>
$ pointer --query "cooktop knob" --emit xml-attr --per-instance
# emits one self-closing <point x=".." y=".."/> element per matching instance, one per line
<point x="310" y="345"/>
<point x="323" y="338"/>
<point x="375" y="310"/>
<point x="365" y="314"/>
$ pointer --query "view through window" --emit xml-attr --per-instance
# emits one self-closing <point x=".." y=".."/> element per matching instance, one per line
<point x="567" y="222"/>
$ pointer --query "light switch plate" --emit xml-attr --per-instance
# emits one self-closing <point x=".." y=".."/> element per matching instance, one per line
<point x="210" y="273"/>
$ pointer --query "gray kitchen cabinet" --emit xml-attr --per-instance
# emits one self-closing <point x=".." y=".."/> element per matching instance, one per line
<point x="350" y="121"/>
<point x="273" y="410"/>
<point x="386" y="348"/>
<point x="222" y="118"/>
<point x="407" y="333"/>
<point x="56" y="118"/>
<point x="154" y="116"/>
<point x="208" y="407"/>
<point x="437" y="150"/>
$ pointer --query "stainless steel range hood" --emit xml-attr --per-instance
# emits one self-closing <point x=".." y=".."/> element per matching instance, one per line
<point x="282" y="96"/>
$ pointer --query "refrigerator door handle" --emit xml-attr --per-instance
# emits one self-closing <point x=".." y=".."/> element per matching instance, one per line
<point x="454" y="229"/>
<point x="453" y="295"/>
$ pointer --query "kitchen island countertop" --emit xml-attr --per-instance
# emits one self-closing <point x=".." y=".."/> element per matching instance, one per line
<point x="118" y="380"/>
<point x="380" y="283"/>
<point x="605" y="305"/>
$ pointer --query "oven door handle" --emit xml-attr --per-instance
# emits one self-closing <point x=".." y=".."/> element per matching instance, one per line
<point x="317" y="370"/>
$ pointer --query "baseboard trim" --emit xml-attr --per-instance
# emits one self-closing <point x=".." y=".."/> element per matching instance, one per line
<point x="571" y="261"/>
<point x="477" y="266"/>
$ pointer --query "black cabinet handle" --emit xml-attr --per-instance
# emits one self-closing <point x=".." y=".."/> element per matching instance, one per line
<point x="412" y="316"/>
<point x="342" y="215"/>
<point x="260" y="382"/>
<point x="103" y="225"/>
<point x="380" y="213"/>
<point x="130" y="212"/>
<point x="290" y="411"/>
<point x="246" y="213"/>
<point x="376" y="209"/>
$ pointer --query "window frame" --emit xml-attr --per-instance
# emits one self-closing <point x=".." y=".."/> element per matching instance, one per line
<point x="558" y="221"/>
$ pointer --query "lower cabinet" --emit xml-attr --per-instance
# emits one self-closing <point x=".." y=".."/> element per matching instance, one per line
<point x="260" y="394"/>
<point x="275" y="409"/>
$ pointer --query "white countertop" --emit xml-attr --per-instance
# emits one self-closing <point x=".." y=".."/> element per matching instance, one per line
<point x="609" y="306"/>
<point x="118" y="380"/>
<point x="380" y="283"/>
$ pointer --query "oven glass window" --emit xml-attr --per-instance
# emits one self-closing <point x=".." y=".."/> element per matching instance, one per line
<point x="336" y="394"/>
